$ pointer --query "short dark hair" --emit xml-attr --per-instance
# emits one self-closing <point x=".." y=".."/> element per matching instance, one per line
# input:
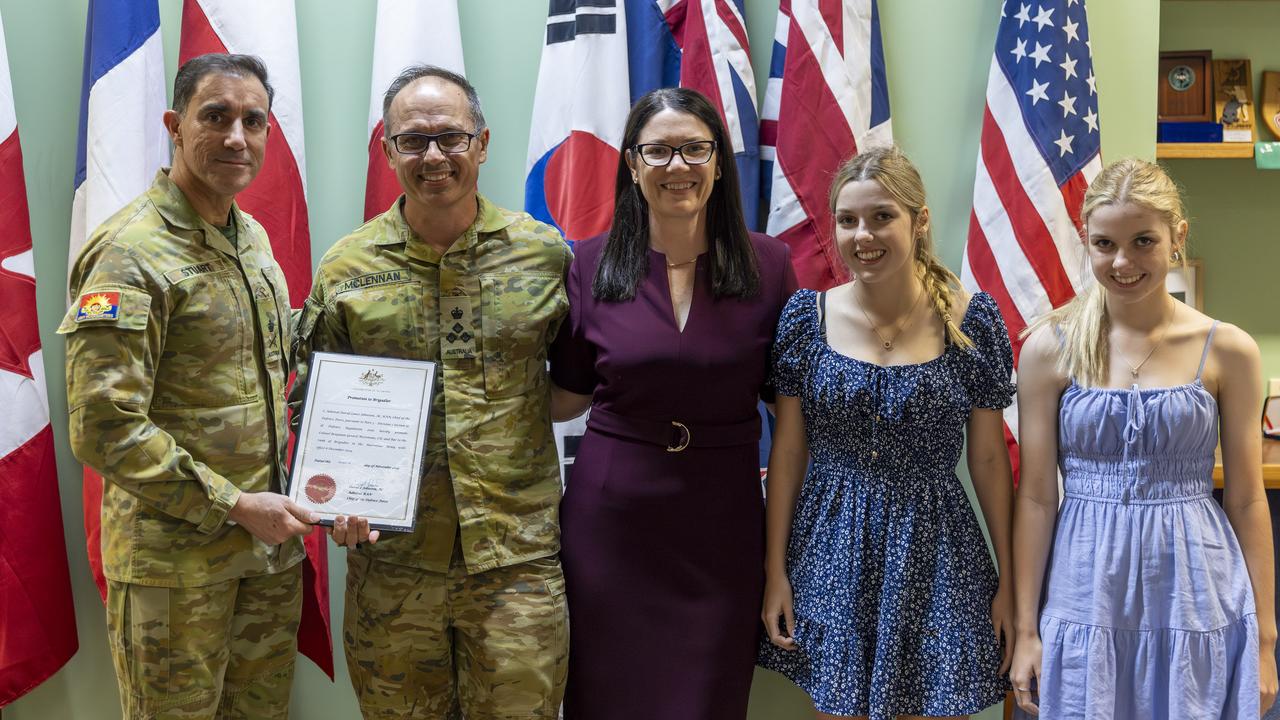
<point x="412" y="74"/>
<point x="193" y="70"/>
<point x="625" y="258"/>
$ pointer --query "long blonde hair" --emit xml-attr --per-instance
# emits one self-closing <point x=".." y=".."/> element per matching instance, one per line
<point x="1082" y="324"/>
<point x="899" y="177"/>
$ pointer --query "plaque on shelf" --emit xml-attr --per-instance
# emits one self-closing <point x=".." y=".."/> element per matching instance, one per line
<point x="1233" y="99"/>
<point x="1188" y="132"/>
<point x="1271" y="101"/>
<point x="1186" y="86"/>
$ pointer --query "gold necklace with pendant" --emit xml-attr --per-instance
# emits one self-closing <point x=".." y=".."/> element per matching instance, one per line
<point x="1133" y="369"/>
<point x="887" y="343"/>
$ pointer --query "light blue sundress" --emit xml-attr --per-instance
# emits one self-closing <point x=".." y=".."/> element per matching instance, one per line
<point x="1148" y="610"/>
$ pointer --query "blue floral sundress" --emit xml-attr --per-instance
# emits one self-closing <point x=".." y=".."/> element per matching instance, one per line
<point x="891" y="575"/>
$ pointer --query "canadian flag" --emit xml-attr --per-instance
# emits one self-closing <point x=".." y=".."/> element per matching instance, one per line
<point x="408" y="32"/>
<point x="277" y="198"/>
<point x="37" y="616"/>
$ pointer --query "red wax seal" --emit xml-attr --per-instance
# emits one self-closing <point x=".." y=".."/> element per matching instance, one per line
<point x="320" y="489"/>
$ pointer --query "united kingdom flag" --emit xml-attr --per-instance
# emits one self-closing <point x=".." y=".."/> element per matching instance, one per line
<point x="826" y="99"/>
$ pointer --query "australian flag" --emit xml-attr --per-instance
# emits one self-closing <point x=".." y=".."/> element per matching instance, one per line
<point x="598" y="57"/>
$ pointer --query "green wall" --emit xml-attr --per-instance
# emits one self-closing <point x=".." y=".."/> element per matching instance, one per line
<point x="1234" y="207"/>
<point x="937" y="53"/>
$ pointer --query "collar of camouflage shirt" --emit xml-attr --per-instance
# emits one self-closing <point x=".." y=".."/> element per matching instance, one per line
<point x="173" y="205"/>
<point x="489" y="219"/>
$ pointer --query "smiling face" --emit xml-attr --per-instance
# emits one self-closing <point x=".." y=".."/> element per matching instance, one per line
<point x="875" y="235"/>
<point x="433" y="179"/>
<point x="1129" y="247"/>
<point x="220" y="137"/>
<point x="679" y="190"/>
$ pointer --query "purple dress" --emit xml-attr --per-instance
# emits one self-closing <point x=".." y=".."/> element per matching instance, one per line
<point x="1148" y="610"/>
<point x="663" y="551"/>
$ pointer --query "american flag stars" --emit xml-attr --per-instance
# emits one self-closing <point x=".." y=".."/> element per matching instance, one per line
<point x="1034" y="162"/>
<point x="1043" y="50"/>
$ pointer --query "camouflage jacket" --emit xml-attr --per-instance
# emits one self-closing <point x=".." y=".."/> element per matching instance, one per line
<point x="176" y="366"/>
<point x="486" y="311"/>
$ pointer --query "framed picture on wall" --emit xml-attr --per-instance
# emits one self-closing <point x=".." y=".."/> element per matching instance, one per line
<point x="1186" y="282"/>
<point x="1271" y="417"/>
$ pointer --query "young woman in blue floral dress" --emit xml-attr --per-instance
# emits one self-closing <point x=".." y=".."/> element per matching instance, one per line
<point x="881" y="598"/>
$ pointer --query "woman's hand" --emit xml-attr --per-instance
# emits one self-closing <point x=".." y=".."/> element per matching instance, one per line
<point x="777" y="604"/>
<point x="1267" y="679"/>
<point x="1026" y="670"/>
<point x="1002" y="622"/>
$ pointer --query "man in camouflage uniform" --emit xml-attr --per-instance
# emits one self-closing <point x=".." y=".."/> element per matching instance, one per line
<point x="468" y="610"/>
<point x="177" y="342"/>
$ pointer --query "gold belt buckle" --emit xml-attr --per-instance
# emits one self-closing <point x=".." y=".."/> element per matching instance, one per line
<point x="684" y="442"/>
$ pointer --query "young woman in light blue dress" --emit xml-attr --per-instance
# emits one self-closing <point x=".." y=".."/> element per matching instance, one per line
<point x="1140" y="598"/>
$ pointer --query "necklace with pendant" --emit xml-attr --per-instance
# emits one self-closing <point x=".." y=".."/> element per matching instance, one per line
<point x="1134" y="369"/>
<point x="887" y="343"/>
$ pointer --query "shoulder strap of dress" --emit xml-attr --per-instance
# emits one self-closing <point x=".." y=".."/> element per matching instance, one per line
<point x="822" y="312"/>
<point x="1205" y="354"/>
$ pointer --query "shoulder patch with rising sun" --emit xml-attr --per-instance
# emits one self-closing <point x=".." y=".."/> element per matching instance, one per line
<point x="99" y="306"/>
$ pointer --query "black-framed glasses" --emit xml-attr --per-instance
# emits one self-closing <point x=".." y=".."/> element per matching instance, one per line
<point x="697" y="152"/>
<point x="412" y="143"/>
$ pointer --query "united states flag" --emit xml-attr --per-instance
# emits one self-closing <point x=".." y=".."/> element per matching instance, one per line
<point x="827" y="97"/>
<point x="1039" y="151"/>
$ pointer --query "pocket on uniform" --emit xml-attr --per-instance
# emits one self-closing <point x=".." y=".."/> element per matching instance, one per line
<point x="517" y="315"/>
<point x="147" y="629"/>
<point x="384" y="320"/>
<point x="209" y="336"/>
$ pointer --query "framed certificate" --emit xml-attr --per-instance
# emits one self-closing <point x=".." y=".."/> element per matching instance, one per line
<point x="362" y="438"/>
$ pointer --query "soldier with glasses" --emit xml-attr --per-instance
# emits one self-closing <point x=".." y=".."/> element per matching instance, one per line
<point x="468" y="611"/>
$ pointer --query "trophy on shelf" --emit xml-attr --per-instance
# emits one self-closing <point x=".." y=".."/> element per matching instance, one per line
<point x="1233" y="99"/>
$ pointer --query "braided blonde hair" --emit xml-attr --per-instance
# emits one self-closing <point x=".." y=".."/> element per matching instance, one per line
<point x="1082" y="324"/>
<point x="899" y="177"/>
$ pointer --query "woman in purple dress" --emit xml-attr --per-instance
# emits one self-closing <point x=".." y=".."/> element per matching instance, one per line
<point x="671" y="320"/>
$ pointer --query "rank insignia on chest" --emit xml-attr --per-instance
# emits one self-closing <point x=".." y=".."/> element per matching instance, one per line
<point x="457" y="333"/>
<point x="98" y="306"/>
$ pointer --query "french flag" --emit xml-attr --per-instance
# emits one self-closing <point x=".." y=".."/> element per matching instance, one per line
<point x="277" y="198"/>
<point x="37" y="615"/>
<point x="121" y="144"/>
<point x="407" y="32"/>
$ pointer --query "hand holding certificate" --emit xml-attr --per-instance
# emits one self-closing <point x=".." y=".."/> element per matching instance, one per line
<point x="362" y="438"/>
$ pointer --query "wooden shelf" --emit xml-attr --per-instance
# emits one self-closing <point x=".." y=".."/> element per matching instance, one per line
<point x="1204" y="150"/>
<point x="1270" y="466"/>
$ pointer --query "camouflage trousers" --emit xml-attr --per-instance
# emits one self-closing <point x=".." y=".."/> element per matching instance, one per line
<point x="217" y="651"/>
<point x="430" y="646"/>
